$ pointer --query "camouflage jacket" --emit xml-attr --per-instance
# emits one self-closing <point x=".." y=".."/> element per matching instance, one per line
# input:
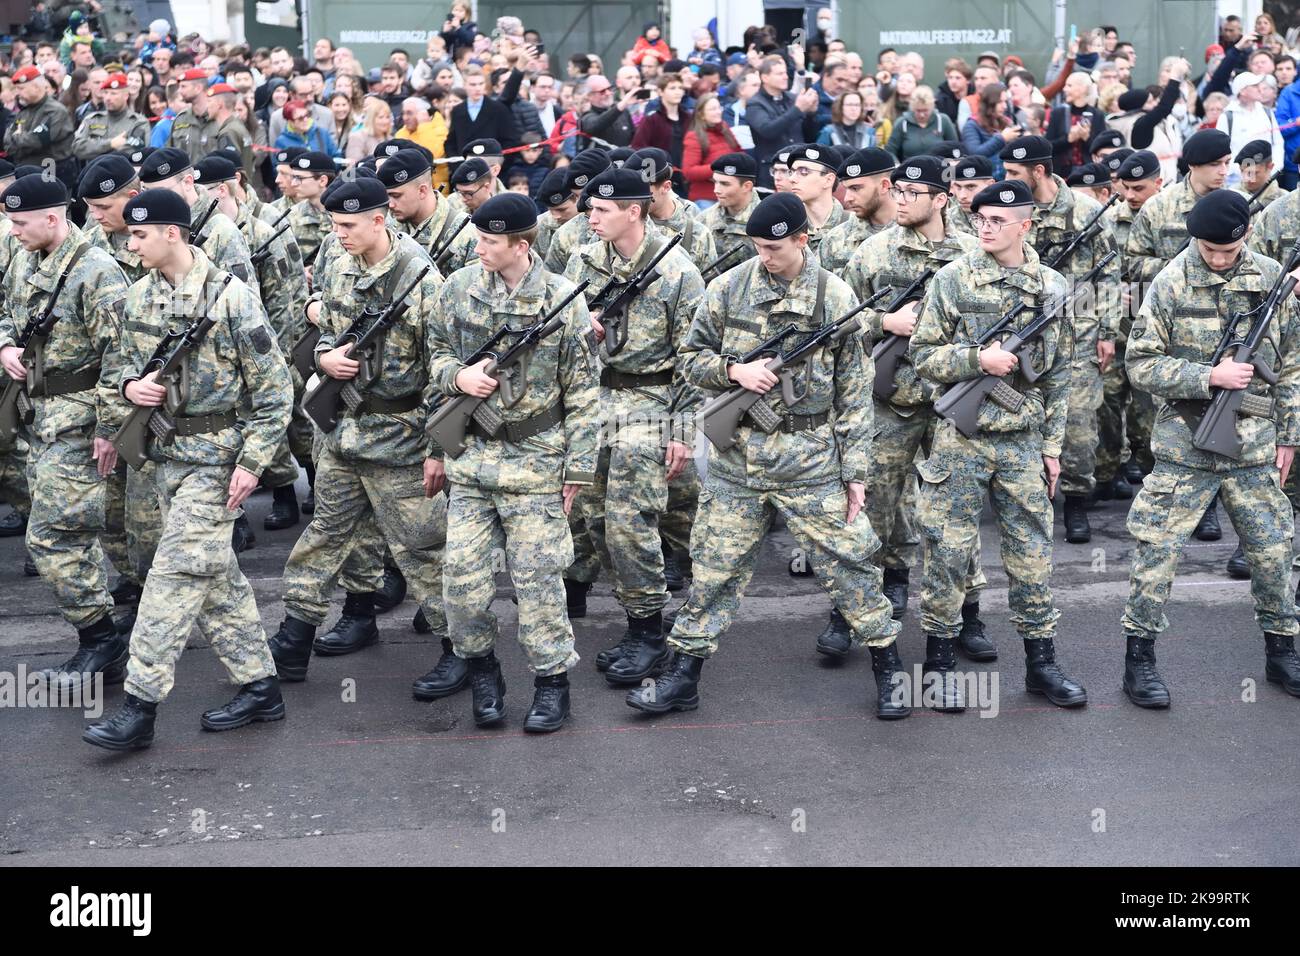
<point x="837" y="217"/>
<point x="96" y="132"/>
<point x="697" y="241"/>
<point x="1175" y="336"/>
<point x="656" y="325"/>
<point x="1095" y="315"/>
<point x="958" y="219"/>
<point x="271" y="211"/>
<point x="281" y="282"/>
<point x="839" y="244"/>
<point x="740" y="311"/>
<point x="1275" y="230"/>
<point x="1159" y="229"/>
<point x="728" y="231"/>
<point x="546" y="226"/>
<point x="237" y="365"/>
<point x="347" y="288"/>
<point x="115" y="244"/>
<point x="895" y="257"/>
<point x="967" y="297"/>
<point x="473" y="306"/>
<point x="220" y="239"/>
<point x="195" y="135"/>
<point x="309" y="225"/>
<point x="1120" y="219"/>
<point x="434" y="231"/>
<point x="1272" y="193"/>
<point x="565" y="241"/>
<point x="87" y="327"/>
<point x="9" y="246"/>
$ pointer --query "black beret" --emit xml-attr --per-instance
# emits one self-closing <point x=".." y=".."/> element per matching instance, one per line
<point x="1106" y="139"/>
<point x="390" y="147"/>
<point x="619" y="184"/>
<point x="7" y="169"/>
<point x="157" y="207"/>
<point x="136" y="157"/>
<point x="1142" y="164"/>
<point x="740" y="165"/>
<point x="483" y="148"/>
<point x="776" y="217"/>
<point x="619" y="155"/>
<point x="1257" y="151"/>
<point x="34" y="191"/>
<point x="652" y="163"/>
<point x="505" y="213"/>
<point x="871" y="161"/>
<point x="368" y="163"/>
<point x="163" y="164"/>
<point x="289" y="154"/>
<point x="930" y="170"/>
<point x="1115" y="159"/>
<point x="584" y="198"/>
<point x="973" y="167"/>
<point x="1027" y="149"/>
<point x="105" y="176"/>
<point x="782" y="158"/>
<point x="360" y="195"/>
<point x="585" y="165"/>
<point x="215" y="168"/>
<point x="1004" y="195"/>
<point x="817" y="155"/>
<point x="363" y="171"/>
<point x="1089" y="174"/>
<point x="469" y="172"/>
<point x="1206" y="146"/>
<point x="1131" y="100"/>
<point x="405" y="166"/>
<point x="314" y="162"/>
<point x="27" y="169"/>
<point x="836" y="154"/>
<point x="1221" y="217"/>
<point x="946" y="149"/>
<point x="555" y="188"/>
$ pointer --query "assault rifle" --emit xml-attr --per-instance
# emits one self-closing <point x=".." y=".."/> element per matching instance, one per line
<point x="890" y="350"/>
<point x="617" y="294"/>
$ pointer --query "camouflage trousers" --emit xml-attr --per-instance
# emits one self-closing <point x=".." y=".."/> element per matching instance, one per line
<point x="13" y="478"/>
<point x="195" y="580"/>
<point x="900" y="544"/>
<point x="1165" y="513"/>
<point x="725" y="546"/>
<point x="134" y="523"/>
<point x="586" y="562"/>
<point x="956" y="478"/>
<point x="66" y="521"/>
<point x="363" y="568"/>
<point x="296" y="443"/>
<point x="893" y="480"/>
<point x="1079" y="450"/>
<point x="347" y="493"/>
<point x="1126" y="415"/>
<point x="531" y="531"/>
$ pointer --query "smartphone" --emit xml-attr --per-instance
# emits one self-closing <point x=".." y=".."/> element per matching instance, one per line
<point x="641" y="95"/>
<point x="1074" y="32"/>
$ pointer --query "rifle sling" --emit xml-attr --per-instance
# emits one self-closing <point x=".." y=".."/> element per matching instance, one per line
<point x="613" y="378"/>
<point x="37" y="344"/>
<point x="188" y="426"/>
<point x="524" y="428"/>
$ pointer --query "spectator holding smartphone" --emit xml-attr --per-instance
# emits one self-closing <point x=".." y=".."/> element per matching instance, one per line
<point x="1071" y="127"/>
<point x="989" y="128"/>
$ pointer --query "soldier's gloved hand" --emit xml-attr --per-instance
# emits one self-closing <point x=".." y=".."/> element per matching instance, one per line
<point x="242" y="484"/>
<point x="754" y="376"/>
<point x="105" y="455"/>
<point x="145" y="391"/>
<point x="677" y="457"/>
<point x="336" y="364"/>
<point x="569" y="492"/>
<point x="996" y="360"/>
<point x="902" y="322"/>
<point x="11" y="357"/>
<point x="1105" y="354"/>
<point x="435" y="476"/>
<point x="1231" y="374"/>
<point x="856" y="492"/>
<point x="472" y="380"/>
<point x="1285" y="456"/>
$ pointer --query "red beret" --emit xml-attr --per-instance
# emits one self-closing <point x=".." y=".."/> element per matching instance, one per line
<point x="25" y="74"/>
<point x="194" y="73"/>
<point x="115" y="81"/>
<point x="216" y="88"/>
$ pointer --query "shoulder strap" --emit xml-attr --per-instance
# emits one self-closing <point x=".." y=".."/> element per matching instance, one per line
<point x="394" y="277"/>
<point x="63" y="278"/>
<point x="819" y="307"/>
<point x="688" y="233"/>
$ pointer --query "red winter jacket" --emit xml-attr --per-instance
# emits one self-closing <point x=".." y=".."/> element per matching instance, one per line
<point x="698" y="169"/>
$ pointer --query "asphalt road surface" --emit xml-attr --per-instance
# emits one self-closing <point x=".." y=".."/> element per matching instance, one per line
<point x="782" y="764"/>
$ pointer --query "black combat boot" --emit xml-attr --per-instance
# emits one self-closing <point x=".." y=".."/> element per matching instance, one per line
<point x="392" y="592"/>
<point x="13" y="525"/>
<point x="256" y="702"/>
<point x="1113" y="489"/>
<point x="575" y="597"/>
<point x="941" y="661"/>
<point x="885" y="664"/>
<point x="836" y="639"/>
<point x="677" y="688"/>
<point x="1077" y="529"/>
<point x="489" y="690"/>
<point x="1044" y="676"/>
<point x="101" y="649"/>
<point x="1207" y="529"/>
<point x="131" y="728"/>
<point x="1281" y="665"/>
<point x="241" y="535"/>
<point x="1142" y="683"/>
<point x="894" y="585"/>
<point x="355" y="628"/>
<point x="284" y="509"/>
<point x="550" y="704"/>
<point x="309" y="503"/>
<point x="126" y="592"/>
<point x="673" y="577"/>
<point x="1133" y="472"/>
<point x="1238" y="566"/>
<point x="420" y="624"/>
<point x="449" y="675"/>
<point x="291" y="649"/>
<point x="973" y="641"/>
<point x="644" y="652"/>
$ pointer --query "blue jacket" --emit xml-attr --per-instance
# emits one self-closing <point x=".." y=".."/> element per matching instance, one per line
<point x="975" y="141"/>
<point x="317" y="138"/>
<point x="1288" y="111"/>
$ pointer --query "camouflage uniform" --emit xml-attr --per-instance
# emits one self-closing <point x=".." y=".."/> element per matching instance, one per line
<point x="506" y="494"/>
<point x="1005" y="460"/>
<point x="638" y="385"/>
<point x="310" y="226"/>
<point x="433" y="232"/>
<point x="728" y="231"/>
<point x="195" y="579"/>
<point x="1173" y="340"/>
<point x="194" y="134"/>
<point x="221" y="240"/>
<point x="67" y="495"/>
<point x="697" y="242"/>
<point x="958" y="219"/>
<point x="799" y="474"/>
<point x="546" y="226"/>
<point x="839" y="244"/>
<point x="372" y="462"/>
<point x="13" y="478"/>
<point x="837" y="217"/>
<point x="1266" y="199"/>
<point x="906" y="424"/>
<point x="565" y="242"/>
<point x="100" y="128"/>
<point x="1159" y="229"/>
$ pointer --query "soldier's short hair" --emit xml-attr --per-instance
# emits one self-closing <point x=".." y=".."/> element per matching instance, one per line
<point x="629" y="203"/>
<point x="528" y="235"/>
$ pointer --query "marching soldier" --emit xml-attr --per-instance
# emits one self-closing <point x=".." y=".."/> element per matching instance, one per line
<point x="43" y="128"/>
<point x="734" y="175"/>
<point x="1060" y="212"/>
<point x="193" y="131"/>
<point x="370" y="466"/>
<point x="641" y="389"/>
<point x="1174" y="340"/>
<point x="512" y="490"/>
<point x="970" y="176"/>
<point x="1014" y="450"/>
<point x="906" y="423"/>
<point x="561" y="206"/>
<point x="311" y="173"/>
<point x="69" y="380"/>
<point x="203" y="476"/>
<point x="286" y="185"/>
<point x="577" y="231"/>
<point x="112" y="129"/>
<point x="423" y="214"/>
<point x="669" y="211"/>
<point x="812" y="470"/>
<point x="487" y="180"/>
<point x="812" y="172"/>
<point x="1255" y="160"/>
<point x="13" y="453"/>
<point x="868" y="198"/>
<point x="471" y="186"/>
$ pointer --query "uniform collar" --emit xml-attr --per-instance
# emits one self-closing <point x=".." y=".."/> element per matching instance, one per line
<point x="366" y="275"/>
<point x="604" y="258"/>
<point x="1245" y="276"/>
<point x="186" y="297"/>
<point x="49" y="267"/>
<point x="1026" y="278"/>
<point x="529" y="296"/>
<point x="799" y="298"/>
